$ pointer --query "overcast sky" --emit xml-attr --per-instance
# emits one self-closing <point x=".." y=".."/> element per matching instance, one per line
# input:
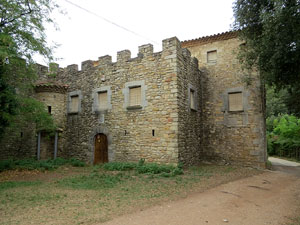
<point x="88" y="35"/>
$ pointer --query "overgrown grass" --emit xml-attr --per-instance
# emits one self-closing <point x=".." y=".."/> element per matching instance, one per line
<point x="145" y="168"/>
<point x="126" y="171"/>
<point x="32" y="164"/>
<point x="103" y="192"/>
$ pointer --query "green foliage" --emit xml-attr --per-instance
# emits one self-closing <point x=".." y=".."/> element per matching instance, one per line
<point x="22" y="31"/>
<point x="119" y="166"/>
<point x="32" y="164"/>
<point x="270" y="30"/>
<point x="76" y="162"/>
<point x="92" y="181"/>
<point x="13" y="184"/>
<point x="283" y="136"/>
<point x="22" y="34"/>
<point x="275" y="103"/>
<point x="145" y="168"/>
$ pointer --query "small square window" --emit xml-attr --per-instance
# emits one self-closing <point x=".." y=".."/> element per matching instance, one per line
<point x="135" y="96"/>
<point x="74" y="103"/>
<point x="102" y="100"/>
<point x="212" y="56"/>
<point x="235" y="101"/>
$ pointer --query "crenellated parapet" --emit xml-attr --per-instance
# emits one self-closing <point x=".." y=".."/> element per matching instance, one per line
<point x="171" y="47"/>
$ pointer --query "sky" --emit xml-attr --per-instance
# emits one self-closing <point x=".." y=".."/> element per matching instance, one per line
<point x="104" y="27"/>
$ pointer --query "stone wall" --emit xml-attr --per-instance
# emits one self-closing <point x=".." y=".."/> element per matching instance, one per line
<point x="19" y="142"/>
<point x="149" y="132"/>
<point x="185" y="114"/>
<point x="189" y="117"/>
<point x="53" y="96"/>
<point x="231" y="136"/>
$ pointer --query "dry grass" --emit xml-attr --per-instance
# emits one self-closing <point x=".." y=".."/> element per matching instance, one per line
<point x="92" y="195"/>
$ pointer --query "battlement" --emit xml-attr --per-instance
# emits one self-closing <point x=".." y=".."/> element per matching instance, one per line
<point x="171" y="47"/>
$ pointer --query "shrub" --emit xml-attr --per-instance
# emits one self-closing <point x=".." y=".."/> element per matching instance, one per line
<point x="283" y="136"/>
<point x="76" y="163"/>
<point x="119" y="166"/>
<point x="7" y="165"/>
<point x="145" y="168"/>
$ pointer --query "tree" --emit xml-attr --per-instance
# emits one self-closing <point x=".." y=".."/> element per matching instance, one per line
<point x="276" y="105"/>
<point x="271" y="32"/>
<point x="22" y="34"/>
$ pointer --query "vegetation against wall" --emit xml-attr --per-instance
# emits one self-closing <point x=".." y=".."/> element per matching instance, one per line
<point x="22" y="34"/>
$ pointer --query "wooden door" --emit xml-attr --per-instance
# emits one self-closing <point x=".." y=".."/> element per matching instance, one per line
<point x="101" y="149"/>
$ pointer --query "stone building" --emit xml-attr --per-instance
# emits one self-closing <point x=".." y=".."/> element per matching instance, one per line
<point x="187" y="103"/>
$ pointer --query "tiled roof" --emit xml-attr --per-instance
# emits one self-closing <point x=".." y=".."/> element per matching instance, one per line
<point x="208" y="39"/>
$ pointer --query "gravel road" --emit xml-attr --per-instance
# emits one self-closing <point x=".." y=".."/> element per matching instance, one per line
<point x="269" y="198"/>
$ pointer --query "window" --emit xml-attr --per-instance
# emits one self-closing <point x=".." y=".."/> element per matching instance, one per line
<point x="135" y="96"/>
<point x="102" y="100"/>
<point x="235" y="101"/>
<point x="192" y="99"/>
<point x="212" y="56"/>
<point x="74" y="103"/>
<point x="49" y="109"/>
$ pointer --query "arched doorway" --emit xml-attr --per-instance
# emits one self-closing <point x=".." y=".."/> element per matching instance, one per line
<point x="101" y="149"/>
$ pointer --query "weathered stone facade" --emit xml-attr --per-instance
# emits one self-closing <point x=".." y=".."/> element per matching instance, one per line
<point x="233" y="136"/>
<point x="180" y="113"/>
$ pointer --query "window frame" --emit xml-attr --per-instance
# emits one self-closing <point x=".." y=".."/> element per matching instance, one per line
<point x="212" y="61"/>
<point x="73" y="94"/>
<point x="96" y="107"/>
<point x="238" y="110"/>
<point x="126" y="92"/>
<point x="129" y="95"/>
<point x="191" y="89"/>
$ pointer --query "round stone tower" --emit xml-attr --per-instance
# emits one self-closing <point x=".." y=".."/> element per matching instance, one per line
<point x="53" y="95"/>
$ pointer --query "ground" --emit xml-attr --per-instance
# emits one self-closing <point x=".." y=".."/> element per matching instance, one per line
<point x="268" y="198"/>
<point x="207" y="194"/>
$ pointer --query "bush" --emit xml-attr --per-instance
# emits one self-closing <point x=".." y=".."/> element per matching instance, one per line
<point x="145" y="168"/>
<point x="119" y="166"/>
<point x="283" y="136"/>
<point x="76" y="163"/>
<point x="7" y="165"/>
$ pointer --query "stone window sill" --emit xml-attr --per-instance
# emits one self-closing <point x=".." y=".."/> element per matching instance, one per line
<point x="73" y="113"/>
<point x="101" y="111"/>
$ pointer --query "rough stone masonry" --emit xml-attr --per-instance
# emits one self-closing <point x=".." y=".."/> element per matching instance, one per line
<point x="187" y="103"/>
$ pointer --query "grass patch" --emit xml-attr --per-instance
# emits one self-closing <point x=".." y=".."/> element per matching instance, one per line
<point x="16" y="184"/>
<point x="100" y="193"/>
<point x="32" y="164"/>
<point x="93" y="181"/>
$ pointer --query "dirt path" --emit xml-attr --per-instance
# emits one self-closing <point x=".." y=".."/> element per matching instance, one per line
<point x="268" y="198"/>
